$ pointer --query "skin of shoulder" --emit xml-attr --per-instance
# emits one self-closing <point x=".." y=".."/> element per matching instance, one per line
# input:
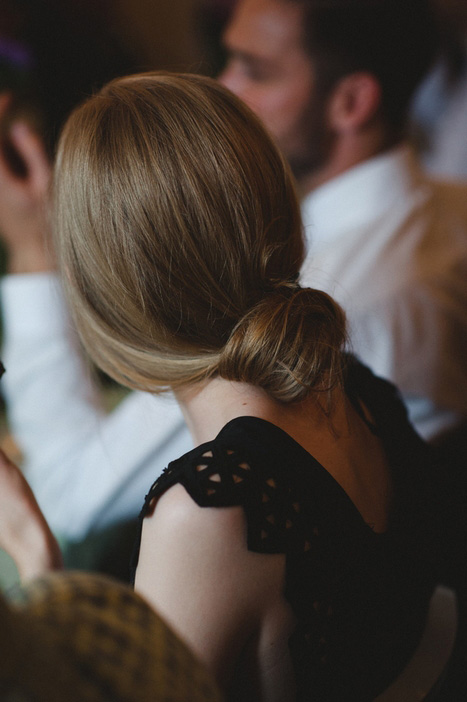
<point x="196" y="571"/>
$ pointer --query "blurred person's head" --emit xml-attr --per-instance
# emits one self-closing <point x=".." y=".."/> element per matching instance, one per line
<point x="179" y="235"/>
<point x="53" y="54"/>
<point x="317" y="71"/>
<point x="453" y="12"/>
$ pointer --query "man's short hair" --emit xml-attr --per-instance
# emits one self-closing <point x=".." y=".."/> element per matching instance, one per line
<point x="394" y="40"/>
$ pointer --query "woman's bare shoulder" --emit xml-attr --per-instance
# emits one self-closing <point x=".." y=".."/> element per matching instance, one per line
<point x="196" y="570"/>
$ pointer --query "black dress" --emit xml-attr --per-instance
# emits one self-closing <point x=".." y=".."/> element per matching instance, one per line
<point x="360" y="598"/>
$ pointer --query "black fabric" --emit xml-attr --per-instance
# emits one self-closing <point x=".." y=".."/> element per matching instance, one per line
<point x="360" y="598"/>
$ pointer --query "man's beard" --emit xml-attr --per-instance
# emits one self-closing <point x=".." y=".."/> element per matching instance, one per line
<point x="317" y="143"/>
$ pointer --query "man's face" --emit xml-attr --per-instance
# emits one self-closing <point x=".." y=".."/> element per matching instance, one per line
<point x="269" y="69"/>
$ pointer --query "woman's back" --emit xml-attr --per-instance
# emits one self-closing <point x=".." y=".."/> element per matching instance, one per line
<point x="344" y="442"/>
<point x="310" y="579"/>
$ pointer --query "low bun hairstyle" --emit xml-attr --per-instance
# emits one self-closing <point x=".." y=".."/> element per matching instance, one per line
<point x="179" y="236"/>
<point x="288" y="344"/>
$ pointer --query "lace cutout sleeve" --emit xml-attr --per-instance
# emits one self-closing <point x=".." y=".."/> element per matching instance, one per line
<point x="218" y="474"/>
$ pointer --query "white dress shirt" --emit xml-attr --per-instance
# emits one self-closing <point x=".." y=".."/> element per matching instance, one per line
<point x="88" y="469"/>
<point x="391" y="248"/>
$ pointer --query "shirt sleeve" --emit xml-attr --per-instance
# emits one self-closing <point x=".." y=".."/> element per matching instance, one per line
<point x="417" y="339"/>
<point x="87" y="468"/>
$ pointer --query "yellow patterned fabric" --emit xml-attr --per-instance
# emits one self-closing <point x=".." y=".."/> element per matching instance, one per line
<point x="74" y="636"/>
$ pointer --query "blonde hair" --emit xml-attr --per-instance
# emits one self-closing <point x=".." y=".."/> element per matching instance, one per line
<point x="179" y="234"/>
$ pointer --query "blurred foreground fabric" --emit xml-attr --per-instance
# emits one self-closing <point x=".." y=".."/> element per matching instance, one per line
<point x="73" y="636"/>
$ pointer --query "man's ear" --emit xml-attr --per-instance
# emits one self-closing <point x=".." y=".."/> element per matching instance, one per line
<point x="354" y="103"/>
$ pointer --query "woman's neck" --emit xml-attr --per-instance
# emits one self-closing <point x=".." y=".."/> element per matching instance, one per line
<point x="338" y="439"/>
<point x="207" y="408"/>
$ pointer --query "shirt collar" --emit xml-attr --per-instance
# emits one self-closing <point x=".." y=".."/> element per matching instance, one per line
<point x="359" y="195"/>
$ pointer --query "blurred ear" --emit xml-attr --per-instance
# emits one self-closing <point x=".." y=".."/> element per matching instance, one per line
<point x="355" y="102"/>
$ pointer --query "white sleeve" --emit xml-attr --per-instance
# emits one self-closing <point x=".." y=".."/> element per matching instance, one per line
<point x="417" y="340"/>
<point x="87" y="469"/>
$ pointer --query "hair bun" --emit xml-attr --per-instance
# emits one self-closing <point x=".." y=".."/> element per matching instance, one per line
<point x="289" y="343"/>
